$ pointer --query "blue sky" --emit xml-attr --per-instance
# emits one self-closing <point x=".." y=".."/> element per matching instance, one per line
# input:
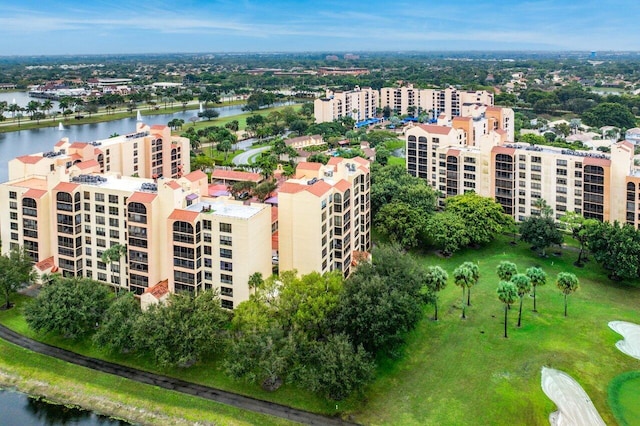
<point x="36" y="27"/>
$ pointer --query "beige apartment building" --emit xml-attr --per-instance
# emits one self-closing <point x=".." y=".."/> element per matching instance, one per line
<point x="324" y="216"/>
<point x="358" y="104"/>
<point x="449" y="101"/>
<point x="601" y="186"/>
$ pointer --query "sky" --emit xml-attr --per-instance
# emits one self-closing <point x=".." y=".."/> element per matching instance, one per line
<point x="43" y="27"/>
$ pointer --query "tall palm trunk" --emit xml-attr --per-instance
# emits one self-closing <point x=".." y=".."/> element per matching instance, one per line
<point x="505" y="319"/>
<point x="520" y="312"/>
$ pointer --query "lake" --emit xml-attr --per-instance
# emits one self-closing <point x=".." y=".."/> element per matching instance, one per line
<point x="18" y="409"/>
<point x="22" y="142"/>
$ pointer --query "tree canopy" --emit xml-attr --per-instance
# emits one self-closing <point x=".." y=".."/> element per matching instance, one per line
<point x="17" y="272"/>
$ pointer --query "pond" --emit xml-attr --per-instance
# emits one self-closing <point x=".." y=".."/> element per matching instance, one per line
<point x="18" y="409"/>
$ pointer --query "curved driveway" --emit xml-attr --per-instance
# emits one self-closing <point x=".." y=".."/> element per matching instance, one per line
<point x="244" y="157"/>
<point x="224" y="397"/>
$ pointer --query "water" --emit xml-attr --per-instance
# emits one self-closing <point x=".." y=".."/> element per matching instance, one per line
<point x="22" y="99"/>
<point x="15" y="144"/>
<point x="18" y="409"/>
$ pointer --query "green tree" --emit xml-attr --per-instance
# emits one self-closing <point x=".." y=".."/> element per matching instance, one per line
<point x="506" y="270"/>
<point x="116" y="331"/>
<point x="538" y="278"/>
<point x="617" y="248"/>
<point x="335" y="368"/>
<point x="299" y="127"/>
<point x="255" y="281"/>
<point x="567" y="283"/>
<point x="70" y="307"/>
<point x="507" y="293"/>
<point x="447" y="232"/>
<point x="483" y="217"/>
<point x="541" y="232"/>
<point x="609" y="114"/>
<point x="402" y="223"/>
<point x="17" y="273"/>
<point x="184" y="330"/>
<point x="581" y="229"/>
<point x="436" y="280"/>
<point x="523" y="285"/>
<point x="233" y="125"/>
<point x="465" y="277"/>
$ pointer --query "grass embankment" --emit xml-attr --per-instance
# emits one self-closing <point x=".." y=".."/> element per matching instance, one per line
<point x="61" y="382"/>
<point x="463" y="372"/>
<point x="242" y="118"/>
<point x="208" y="373"/>
<point x="624" y="391"/>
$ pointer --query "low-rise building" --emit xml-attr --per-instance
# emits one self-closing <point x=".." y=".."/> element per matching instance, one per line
<point x="359" y="104"/>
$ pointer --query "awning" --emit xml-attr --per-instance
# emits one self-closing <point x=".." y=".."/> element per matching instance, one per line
<point x="192" y="197"/>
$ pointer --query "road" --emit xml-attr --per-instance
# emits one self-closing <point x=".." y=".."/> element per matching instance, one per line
<point x="244" y="157"/>
<point x="213" y="394"/>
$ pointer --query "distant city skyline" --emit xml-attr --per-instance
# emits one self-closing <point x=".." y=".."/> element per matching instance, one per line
<point x="33" y="27"/>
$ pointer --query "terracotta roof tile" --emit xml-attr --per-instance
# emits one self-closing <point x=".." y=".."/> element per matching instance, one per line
<point x="87" y="164"/>
<point x="453" y="152"/>
<point x="34" y="193"/>
<point x="342" y="185"/>
<point x="66" y="187"/>
<point x="503" y="150"/>
<point x="142" y="197"/>
<point x="45" y="264"/>
<point x="304" y="165"/>
<point x="60" y="143"/>
<point x="362" y="161"/>
<point x="236" y="175"/>
<point x="334" y="161"/>
<point x="159" y="127"/>
<point x="291" y="188"/>
<point x="159" y="290"/>
<point x="173" y="185"/>
<point x="438" y="130"/>
<point x="602" y="162"/>
<point x="196" y="175"/>
<point x="29" y="159"/>
<point x="319" y="188"/>
<point x="78" y="145"/>
<point x="183" y="215"/>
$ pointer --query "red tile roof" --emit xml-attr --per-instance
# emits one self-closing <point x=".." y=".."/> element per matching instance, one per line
<point x="183" y="215"/>
<point x="45" y="264"/>
<point x="173" y="185"/>
<point x="60" y="143"/>
<point x="236" y="175"/>
<point x="602" y="162"/>
<point x="196" y="175"/>
<point x="159" y="290"/>
<point x="87" y="164"/>
<point x="291" y="188"/>
<point x="361" y="160"/>
<point x="29" y="159"/>
<point x="78" y="145"/>
<point x="319" y="188"/>
<point x="34" y="193"/>
<point x="334" y="161"/>
<point x="342" y="185"/>
<point x="142" y="197"/>
<point x="438" y="130"/>
<point x="304" y="165"/>
<point x="503" y="150"/>
<point x="159" y="127"/>
<point x="66" y="187"/>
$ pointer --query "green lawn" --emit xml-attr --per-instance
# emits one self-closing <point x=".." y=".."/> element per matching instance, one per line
<point x="396" y="161"/>
<point x="463" y="372"/>
<point x="66" y="383"/>
<point x="623" y="398"/>
<point x="242" y="119"/>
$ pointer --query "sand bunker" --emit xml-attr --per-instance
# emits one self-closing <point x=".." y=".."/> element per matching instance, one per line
<point x="574" y="405"/>
<point x="631" y="333"/>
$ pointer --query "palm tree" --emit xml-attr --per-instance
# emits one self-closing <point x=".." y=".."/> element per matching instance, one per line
<point x="13" y="109"/>
<point x="523" y="284"/>
<point x="46" y="106"/>
<point x="567" y="283"/>
<point x="463" y="277"/>
<point x="436" y="280"/>
<point x="507" y="293"/>
<point x="506" y="270"/>
<point x="475" y="275"/>
<point x="113" y="254"/>
<point x="538" y="278"/>
<point x="255" y="281"/>
<point x="32" y="107"/>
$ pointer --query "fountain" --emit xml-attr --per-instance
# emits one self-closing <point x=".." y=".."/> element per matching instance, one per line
<point x="201" y="107"/>
<point x="60" y="126"/>
<point x="13" y="101"/>
<point x="139" y="116"/>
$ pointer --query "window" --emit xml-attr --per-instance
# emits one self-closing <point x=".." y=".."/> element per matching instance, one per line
<point x="226" y="279"/>
<point x="225" y="227"/>
<point x="225" y="240"/>
<point x="99" y="197"/>
<point x="13" y="195"/>
<point x="226" y="266"/>
<point x="225" y="253"/>
<point x="113" y="199"/>
<point x="227" y="304"/>
<point x="206" y="224"/>
<point x="113" y="210"/>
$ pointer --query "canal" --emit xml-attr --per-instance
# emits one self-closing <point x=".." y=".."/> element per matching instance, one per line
<point x="18" y="409"/>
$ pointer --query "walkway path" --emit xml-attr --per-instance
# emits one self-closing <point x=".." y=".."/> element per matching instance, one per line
<point x="245" y="156"/>
<point x="224" y="397"/>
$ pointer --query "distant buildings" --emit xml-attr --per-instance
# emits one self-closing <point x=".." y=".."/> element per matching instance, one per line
<point x="358" y="104"/>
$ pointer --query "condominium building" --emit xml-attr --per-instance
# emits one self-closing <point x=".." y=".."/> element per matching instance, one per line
<point x="358" y="104"/>
<point x="324" y="216"/>
<point x="449" y="101"/>
<point x="600" y="186"/>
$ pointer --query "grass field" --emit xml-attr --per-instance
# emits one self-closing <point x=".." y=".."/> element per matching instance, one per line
<point x="66" y="383"/>
<point x="623" y="398"/>
<point x="463" y="372"/>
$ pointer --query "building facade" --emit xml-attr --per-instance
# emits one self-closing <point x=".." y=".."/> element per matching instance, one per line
<point x="324" y="216"/>
<point x="449" y="101"/>
<point x="358" y="104"/>
<point x="596" y="185"/>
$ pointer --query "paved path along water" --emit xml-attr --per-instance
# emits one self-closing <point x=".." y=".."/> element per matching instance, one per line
<point x="224" y="397"/>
